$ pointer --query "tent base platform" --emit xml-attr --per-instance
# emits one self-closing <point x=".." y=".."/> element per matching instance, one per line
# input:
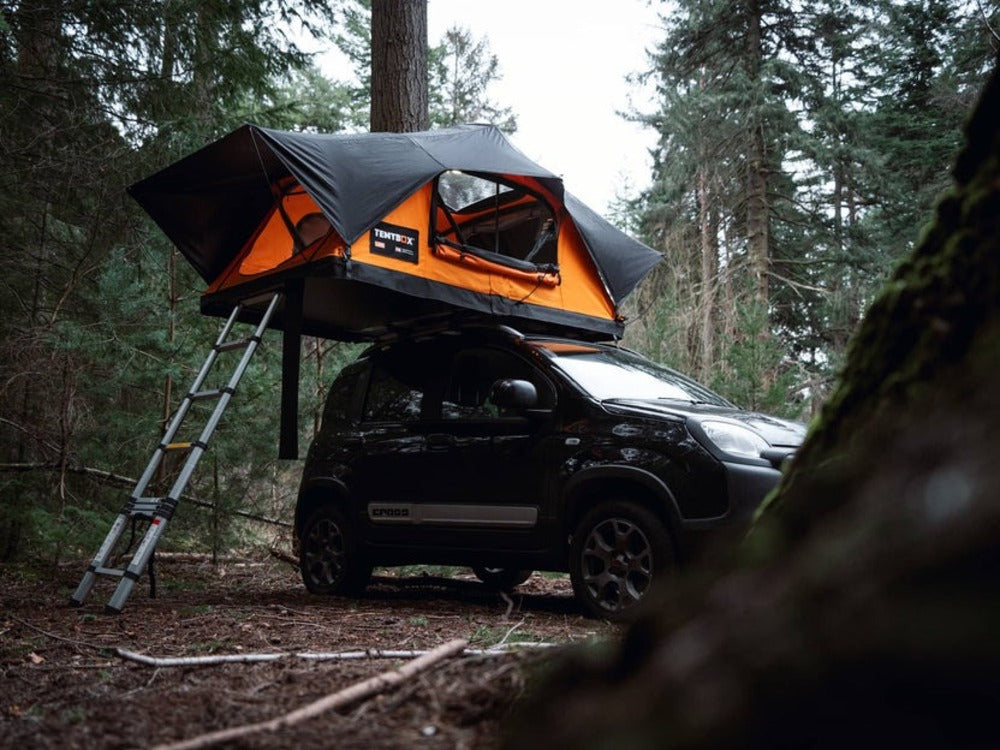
<point x="347" y="302"/>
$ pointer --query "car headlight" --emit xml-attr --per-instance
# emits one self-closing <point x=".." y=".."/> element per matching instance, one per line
<point x="736" y="440"/>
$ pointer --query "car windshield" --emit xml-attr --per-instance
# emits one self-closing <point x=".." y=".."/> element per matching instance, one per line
<point x="618" y="374"/>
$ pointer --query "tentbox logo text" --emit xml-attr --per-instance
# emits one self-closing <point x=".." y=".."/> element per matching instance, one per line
<point x="391" y="241"/>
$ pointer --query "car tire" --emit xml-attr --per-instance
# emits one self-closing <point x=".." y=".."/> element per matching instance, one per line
<point x="329" y="559"/>
<point x="617" y="551"/>
<point x="502" y="579"/>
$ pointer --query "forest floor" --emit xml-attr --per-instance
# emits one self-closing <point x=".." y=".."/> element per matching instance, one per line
<point x="64" y="684"/>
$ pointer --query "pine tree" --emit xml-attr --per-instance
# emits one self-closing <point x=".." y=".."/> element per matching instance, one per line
<point x="856" y="108"/>
<point x="718" y="183"/>
<point x="461" y="70"/>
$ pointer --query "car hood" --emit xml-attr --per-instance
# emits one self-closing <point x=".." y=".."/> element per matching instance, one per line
<point x="777" y="432"/>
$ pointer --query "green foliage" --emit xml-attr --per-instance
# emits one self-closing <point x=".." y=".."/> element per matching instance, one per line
<point x="753" y="373"/>
<point x="96" y="314"/>
<point x="461" y="69"/>
<point x="354" y="39"/>
<point x="858" y="109"/>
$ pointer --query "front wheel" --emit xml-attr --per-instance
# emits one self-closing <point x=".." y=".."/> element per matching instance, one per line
<point x="502" y="579"/>
<point x="329" y="558"/>
<point x="617" y="551"/>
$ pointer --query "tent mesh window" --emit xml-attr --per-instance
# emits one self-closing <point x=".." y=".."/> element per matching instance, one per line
<point x="496" y="221"/>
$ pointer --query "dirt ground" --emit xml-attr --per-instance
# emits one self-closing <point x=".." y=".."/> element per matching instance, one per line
<point x="64" y="685"/>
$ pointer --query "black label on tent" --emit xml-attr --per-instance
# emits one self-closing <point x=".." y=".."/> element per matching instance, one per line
<point x="395" y="242"/>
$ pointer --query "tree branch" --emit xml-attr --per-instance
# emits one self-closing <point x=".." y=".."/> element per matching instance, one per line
<point x="368" y="653"/>
<point x="986" y="21"/>
<point x="117" y="480"/>
<point x="372" y="686"/>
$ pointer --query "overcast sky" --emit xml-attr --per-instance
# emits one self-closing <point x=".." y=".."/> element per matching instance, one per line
<point x="564" y="64"/>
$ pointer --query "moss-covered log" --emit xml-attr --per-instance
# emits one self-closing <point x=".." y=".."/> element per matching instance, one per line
<point x="866" y="607"/>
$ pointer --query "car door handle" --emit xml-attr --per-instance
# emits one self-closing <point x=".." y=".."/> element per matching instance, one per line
<point x="439" y="441"/>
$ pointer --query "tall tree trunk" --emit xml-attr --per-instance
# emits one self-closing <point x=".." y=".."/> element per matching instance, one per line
<point x="37" y="25"/>
<point x="708" y="236"/>
<point x="203" y="87"/>
<point x="709" y="269"/>
<point x="168" y="381"/>
<point x="727" y="324"/>
<point x="399" y="66"/>
<point x="757" y="209"/>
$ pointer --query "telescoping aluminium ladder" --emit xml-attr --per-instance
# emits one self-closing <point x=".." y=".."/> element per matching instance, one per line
<point x="158" y="510"/>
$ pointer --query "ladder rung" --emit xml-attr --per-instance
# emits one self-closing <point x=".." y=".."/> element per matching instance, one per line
<point x="144" y="505"/>
<point x="235" y="344"/>
<point x="114" y="572"/>
<point x="200" y="395"/>
<point x="178" y="446"/>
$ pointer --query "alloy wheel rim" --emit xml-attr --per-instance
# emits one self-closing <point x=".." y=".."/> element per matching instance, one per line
<point x="617" y="564"/>
<point x="325" y="552"/>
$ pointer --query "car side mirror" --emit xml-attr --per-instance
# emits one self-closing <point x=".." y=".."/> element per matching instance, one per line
<point x="514" y="394"/>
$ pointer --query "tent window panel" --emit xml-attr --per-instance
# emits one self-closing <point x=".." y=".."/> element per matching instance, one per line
<point x="294" y="225"/>
<point x="459" y="190"/>
<point x="499" y="222"/>
<point x="312" y="227"/>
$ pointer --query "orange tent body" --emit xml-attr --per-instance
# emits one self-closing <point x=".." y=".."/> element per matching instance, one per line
<point x="403" y="244"/>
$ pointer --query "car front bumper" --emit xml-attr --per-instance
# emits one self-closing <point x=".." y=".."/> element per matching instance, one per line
<point x="748" y="485"/>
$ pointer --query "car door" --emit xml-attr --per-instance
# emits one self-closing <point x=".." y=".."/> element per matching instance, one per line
<point x="387" y="471"/>
<point x="484" y="464"/>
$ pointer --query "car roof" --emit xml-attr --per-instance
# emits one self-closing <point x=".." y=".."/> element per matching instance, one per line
<point x="486" y="333"/>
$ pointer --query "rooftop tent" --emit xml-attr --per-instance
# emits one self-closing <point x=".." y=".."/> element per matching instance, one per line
<point x="382" y="230"/>
<point x="370" y="233"/>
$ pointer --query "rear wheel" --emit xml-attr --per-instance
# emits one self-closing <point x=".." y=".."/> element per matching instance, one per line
<point x="501" y="578"/>
<point x="329" y="557"/>
<point x="618" y="549"/>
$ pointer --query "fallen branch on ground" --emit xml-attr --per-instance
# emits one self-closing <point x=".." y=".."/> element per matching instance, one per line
<point x="510" y="604"/>
<point x="200" y="557"/>
<point x="284" y="556"/>
<point x="372" y="653"/>
<point x="372" y="686"/>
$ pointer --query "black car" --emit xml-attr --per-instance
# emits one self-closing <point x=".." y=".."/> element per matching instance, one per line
<point x="510" y="453"/>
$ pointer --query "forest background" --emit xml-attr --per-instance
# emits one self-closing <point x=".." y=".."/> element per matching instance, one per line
<point x="801" y="147"/>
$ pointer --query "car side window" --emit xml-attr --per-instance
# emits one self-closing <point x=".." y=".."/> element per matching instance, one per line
<point x="340" y="401"/>
<point x="473" y="373"/>
<point x="405" y="382"/>
<point x="392" y="397"/>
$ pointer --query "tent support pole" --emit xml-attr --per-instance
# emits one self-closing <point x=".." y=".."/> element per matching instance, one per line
<point x="291" y="354"/>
